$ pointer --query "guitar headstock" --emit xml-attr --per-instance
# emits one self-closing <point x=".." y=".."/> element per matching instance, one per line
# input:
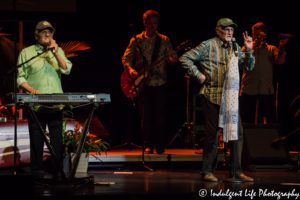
<point x="185" y="45"/>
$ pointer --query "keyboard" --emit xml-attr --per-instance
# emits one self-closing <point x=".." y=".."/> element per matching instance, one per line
<point x="62" y="98"/>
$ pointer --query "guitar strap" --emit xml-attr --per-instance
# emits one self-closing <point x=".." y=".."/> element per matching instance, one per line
<point x="156" y="48"/>
<point x="154" y="56"/>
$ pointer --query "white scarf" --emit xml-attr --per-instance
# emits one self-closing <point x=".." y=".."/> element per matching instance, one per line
<point x="229" y="110"/>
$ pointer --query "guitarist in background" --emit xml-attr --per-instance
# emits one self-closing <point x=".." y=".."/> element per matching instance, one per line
<point x="153" y="46"/>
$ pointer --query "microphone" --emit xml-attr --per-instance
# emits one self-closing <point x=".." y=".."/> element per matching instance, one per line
<point x="234" y="46"/>
<point x="52" y="49"/>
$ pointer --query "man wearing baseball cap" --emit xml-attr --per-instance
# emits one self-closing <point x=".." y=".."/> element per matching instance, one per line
<point x="219" y="60"/>
<point x="42" y="75"/>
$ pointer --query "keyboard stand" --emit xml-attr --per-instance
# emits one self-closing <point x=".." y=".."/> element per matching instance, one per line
<point x="85" y="130"/>
<point x="71" y="179"/>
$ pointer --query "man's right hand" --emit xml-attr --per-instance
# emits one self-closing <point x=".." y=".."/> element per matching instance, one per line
<point x="35" y="91"/>
<point x="202" y="79"/>
<point x="132" y="72"/>
<point x="28" y="88"/>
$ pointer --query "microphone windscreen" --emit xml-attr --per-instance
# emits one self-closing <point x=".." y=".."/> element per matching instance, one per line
<point x="233" y="39"/>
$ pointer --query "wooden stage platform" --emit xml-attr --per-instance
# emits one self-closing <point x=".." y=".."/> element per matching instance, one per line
<point x="175" y="184"/>
<point x="138" y="183"/>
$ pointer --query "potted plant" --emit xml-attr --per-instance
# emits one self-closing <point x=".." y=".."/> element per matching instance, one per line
<point x="71" y="139"/>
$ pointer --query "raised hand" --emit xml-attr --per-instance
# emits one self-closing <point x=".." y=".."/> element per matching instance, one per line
<point x="247" y="41"/>
<point x="281" y="49"/>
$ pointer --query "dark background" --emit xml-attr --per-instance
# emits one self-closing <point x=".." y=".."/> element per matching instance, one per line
<point x="104" y="25"/>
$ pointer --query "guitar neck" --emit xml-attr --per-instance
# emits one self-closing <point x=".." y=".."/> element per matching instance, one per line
<point x="157" y="62"/>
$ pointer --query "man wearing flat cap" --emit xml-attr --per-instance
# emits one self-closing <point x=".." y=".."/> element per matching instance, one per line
<point x="219" y="60"/>
<point x="42" y="75"/>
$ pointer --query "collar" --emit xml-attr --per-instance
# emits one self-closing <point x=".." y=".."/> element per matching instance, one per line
<point x="38" y="47"/>
<point x="221" y="43"/>
<point x="145" y="36"/>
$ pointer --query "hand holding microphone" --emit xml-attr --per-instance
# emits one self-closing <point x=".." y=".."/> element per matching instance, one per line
<point x="52" y="46"/>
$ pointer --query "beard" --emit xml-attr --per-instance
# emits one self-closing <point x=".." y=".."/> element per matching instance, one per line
<point x="223" y="36"/>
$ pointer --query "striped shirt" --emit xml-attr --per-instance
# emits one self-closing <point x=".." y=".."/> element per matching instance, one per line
<point x="211" y="57"/>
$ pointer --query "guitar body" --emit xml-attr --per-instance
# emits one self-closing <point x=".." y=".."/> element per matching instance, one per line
<point x="132" y="87"/>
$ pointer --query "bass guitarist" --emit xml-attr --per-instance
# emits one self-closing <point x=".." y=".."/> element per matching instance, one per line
<point x="151" y="45"/>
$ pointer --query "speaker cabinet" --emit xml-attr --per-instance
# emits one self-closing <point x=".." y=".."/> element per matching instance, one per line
<point x="257" y="149"/>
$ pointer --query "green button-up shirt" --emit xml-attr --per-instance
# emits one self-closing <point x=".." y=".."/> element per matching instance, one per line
<point x="43" y="72"/>
<point x="212" y="58"/>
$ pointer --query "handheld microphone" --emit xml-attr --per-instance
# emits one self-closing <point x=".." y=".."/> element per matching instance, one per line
<point x="52" y="49"/>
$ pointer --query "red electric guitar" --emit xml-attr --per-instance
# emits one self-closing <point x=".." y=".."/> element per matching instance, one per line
<point x="132" y="87"/>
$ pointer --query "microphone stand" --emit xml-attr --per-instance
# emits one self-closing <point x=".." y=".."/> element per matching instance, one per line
<point x="189" y="139"/>
<point x="232" y="178"/>
<point x="143" y="104"/>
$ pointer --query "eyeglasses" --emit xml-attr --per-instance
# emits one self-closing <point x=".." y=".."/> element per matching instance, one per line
<point x="46" y="32"/>
<point x="228" y="30"/>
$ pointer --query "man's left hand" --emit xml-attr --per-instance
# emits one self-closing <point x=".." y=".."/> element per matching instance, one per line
<point x="281" y="49"/>
<point x="173" y="56"/>
<point x="247" y="41"/>
<point x="53" y="44"/>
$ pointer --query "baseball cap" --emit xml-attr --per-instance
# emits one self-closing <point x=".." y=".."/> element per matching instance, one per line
<point x="226" y="22"/>
<point x="44" y="24"/>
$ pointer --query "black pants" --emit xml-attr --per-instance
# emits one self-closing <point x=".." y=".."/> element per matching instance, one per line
<point x="155" y="115"/>
<point x="54" y="121"/>
<point x="210" y="146"/>
<point x="266" y="108"/>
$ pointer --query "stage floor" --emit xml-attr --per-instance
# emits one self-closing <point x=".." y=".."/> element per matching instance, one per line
<point x="175" y="184"/>
<point x="134" y="182"/>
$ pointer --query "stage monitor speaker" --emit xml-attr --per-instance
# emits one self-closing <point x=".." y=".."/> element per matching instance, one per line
<point x="257" y="145"/>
